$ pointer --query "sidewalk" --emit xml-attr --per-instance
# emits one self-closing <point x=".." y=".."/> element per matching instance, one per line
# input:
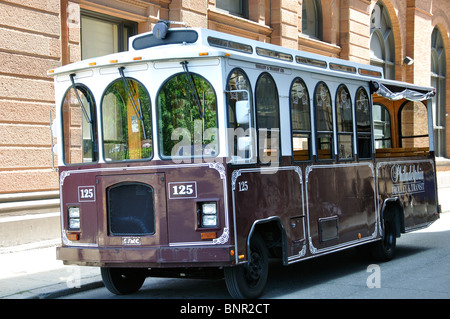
<point x="32" y="272"/>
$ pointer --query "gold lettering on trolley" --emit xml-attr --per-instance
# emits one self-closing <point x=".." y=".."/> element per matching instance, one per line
<point x="408" y="179"/>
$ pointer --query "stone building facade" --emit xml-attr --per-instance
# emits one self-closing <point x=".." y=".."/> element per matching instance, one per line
<point x="38" y="35"/>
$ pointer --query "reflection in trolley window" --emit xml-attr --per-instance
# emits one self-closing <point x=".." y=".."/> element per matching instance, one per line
<point x="187" y="117"/>
<point x="126" y="121"/>
<point x="241" y="128"/>
<point x="301" y="123"/>
<point x="344" y="112"/>
<point x="267" y="120"/>
<point x="324" y="122"/>
<point x="79" y="126"/>
<point x="363" y="124"/>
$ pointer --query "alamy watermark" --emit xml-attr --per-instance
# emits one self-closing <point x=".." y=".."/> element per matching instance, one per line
<point x="73" y="280"/>
<point x="244" y="146"/>
<point x="374" y="279"/>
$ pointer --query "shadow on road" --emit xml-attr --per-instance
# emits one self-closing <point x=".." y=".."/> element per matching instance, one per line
<point x="346" y="269"/>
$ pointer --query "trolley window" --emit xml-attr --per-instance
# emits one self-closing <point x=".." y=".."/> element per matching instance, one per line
<point x="126" y="121"/>
<point x="267" y="120"/>
<point x="324" y="121"/>
<point x="187" y="117"/>
<point x="382" y="126"/>
<point x="413" y="125"/>
<point x="363" y="127"/>
<point x="344" y="115"/>
<point x="241" y="128"/>
<point x="300" y="118"/>
<point x="79" y="126"/>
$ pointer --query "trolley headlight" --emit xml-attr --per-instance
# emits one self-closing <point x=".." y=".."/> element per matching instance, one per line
<point x="207" y="214"/>
<point x="74" y="218"/>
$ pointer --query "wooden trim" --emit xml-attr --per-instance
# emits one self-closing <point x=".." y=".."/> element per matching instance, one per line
<point x="402" y="152"/>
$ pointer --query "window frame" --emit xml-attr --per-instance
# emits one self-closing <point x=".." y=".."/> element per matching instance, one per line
<point x="401" y="137"/>
<point x="364" y="134"/>
<point x="151" y="137"/>
<point x="381" y="28"/>
<point x="122" y="24"/>
<point x="159" y="136"/>
<point x="318" y="19"/>
<point x="439" y="81"/>
<point x="390" y="138"/>
<point x="243" y="9"/>
<point x="94" y="131"/>
<point x="344" y="133"/>
<point x="252" y="126"/>
<point x="300" y="132"/>
<point x="316" y="127"/>
<point x="257" y="120"/>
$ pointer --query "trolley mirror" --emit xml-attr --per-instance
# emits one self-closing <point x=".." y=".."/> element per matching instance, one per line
<point x="243" y="112"/>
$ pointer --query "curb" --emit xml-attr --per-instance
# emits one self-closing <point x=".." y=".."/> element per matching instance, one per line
<point x="57" y="290"/>
<point x="68" y="291"/>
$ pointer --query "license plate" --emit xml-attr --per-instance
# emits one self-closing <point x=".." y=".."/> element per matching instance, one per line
<point x="131" y="241"/>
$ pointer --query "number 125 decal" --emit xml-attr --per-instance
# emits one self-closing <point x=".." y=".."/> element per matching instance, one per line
<point x="182" y="190"/>
<point x="86" y="193"/>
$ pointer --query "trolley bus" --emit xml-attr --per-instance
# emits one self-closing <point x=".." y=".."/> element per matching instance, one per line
<point x="202" y="153"/>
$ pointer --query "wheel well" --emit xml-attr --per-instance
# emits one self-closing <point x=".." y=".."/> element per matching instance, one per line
<point x="393" y="212"/>
<point x="272" y="232"/>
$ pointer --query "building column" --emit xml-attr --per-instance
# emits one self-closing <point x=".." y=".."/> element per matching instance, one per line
<point x="418" y="41"/>
<point x="194" y="13"/>
<point x="355" y="30"/>
<point x="284" y="21"/>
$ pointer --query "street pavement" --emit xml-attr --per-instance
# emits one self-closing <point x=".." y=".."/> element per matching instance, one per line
<point x="33" y="272"/>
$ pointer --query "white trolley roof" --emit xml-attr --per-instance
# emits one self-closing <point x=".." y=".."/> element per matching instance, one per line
<point x="190" y="43"/>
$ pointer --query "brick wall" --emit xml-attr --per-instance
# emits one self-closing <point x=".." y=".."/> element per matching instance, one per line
<point x="29" y="46"/>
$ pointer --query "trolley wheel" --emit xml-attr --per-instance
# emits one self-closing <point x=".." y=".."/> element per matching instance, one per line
<point x="249" y="280"/>
<point x="384" y="249"/>
<point x="122" y="281"/>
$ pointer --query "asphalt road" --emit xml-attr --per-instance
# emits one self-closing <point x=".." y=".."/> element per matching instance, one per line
<point x="420" y="270"/>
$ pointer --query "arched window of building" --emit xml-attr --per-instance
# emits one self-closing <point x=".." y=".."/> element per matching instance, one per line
<point x="382" y="47"/>
<point x="234" y="7"/>
<point x="312" y="18"/>
<point x="438" y="80"/>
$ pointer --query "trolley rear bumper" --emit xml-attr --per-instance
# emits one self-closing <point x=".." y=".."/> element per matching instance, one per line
<point x="149" y="257"/>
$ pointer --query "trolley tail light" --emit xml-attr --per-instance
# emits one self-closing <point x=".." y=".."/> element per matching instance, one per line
<point x="73" y="236"/>
<point x="207" y="215"/>
<point x="74" y="218"/>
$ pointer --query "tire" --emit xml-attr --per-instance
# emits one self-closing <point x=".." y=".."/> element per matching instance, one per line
<point x="384" y="249"/>
<point x="249" y="280"/>
<point x="122" y="281"/>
